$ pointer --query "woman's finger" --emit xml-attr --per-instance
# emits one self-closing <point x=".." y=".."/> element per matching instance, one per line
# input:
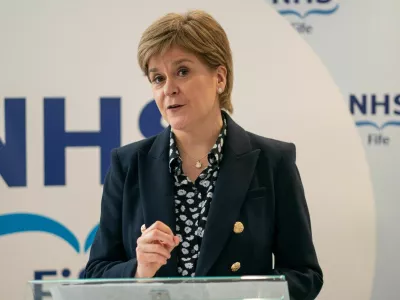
<point x="156" y="236"/>
<point x="149" y="258"/>
<point x="160" y="226"/>
<point x="154" y="248"/>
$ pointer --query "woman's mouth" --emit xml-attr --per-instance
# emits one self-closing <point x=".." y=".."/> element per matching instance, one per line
<point x="174" y="106"/>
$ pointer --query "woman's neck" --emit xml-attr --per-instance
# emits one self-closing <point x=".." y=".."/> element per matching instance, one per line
<point x="198" y="141"/>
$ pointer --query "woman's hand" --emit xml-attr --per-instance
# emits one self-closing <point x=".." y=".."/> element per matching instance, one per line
<point x="154" y="248"/>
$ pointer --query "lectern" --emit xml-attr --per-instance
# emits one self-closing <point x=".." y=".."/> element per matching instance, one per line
<point x="183" y="288"/>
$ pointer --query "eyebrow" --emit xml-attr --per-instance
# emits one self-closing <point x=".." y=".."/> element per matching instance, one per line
<point x="152" y="70"/>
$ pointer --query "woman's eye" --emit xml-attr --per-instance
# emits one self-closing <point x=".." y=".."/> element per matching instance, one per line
<point x="157" y="79"/>
<point x="183" y="71"/>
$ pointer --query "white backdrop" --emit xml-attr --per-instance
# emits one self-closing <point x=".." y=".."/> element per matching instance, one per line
<point x="359" y="42"/>
<point x="83" y="51"/>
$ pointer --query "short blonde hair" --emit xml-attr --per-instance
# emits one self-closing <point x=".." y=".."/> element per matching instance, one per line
<point x="197" y="32"/>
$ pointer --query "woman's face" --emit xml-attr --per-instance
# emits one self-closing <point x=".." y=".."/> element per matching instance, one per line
<point x="185" y="89"/>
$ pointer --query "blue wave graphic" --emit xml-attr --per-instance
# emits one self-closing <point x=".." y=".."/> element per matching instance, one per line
<point x="15" y="223"/>
<point x="376" y="126"/>
<point x="310" y="12"/>
<point x="90" y="238"/>
<point x="367" y="123"/>
<point x="290" y="12"/>
<point x="390" y="123"/>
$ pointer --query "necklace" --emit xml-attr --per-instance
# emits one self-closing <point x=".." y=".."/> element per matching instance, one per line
<point x="198" y="164"/>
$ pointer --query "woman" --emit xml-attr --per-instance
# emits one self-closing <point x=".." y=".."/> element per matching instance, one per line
<point x="204" y="197"/>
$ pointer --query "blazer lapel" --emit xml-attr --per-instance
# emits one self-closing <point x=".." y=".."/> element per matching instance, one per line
<point x="156" y="188"/>
<point x="236" y="172"/>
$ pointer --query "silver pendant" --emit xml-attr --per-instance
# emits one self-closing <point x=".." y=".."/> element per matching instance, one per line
<point x="198" y="165"/>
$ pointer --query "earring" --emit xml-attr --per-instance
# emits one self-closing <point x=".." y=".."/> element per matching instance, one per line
<point x="220" y="90"/>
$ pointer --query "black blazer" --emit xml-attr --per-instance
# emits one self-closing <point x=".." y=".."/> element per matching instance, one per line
<point x="258" y="185"/>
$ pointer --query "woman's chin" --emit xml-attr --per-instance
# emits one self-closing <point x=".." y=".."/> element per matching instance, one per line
<point x="178" y="123"/>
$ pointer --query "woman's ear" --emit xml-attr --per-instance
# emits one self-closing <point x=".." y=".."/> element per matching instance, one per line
<point x="221" y="77"/>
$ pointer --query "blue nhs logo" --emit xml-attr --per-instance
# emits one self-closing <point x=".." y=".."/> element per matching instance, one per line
<point x="305" y="8"/>
<point x="375" y="104"/>
<point x="13" y="147"/>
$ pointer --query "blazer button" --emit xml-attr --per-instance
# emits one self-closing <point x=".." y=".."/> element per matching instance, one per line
<point x="238" y="227"/>
<point x="235" y="267"/>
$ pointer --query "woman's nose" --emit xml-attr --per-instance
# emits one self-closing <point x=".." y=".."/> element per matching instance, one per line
<point x="170" y="88"/>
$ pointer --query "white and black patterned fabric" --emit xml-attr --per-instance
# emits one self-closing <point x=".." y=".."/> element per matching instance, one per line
<point x="192" y="202"/>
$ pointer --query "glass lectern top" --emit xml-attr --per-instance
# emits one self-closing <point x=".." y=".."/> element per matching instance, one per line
<point x="175" y="288"/>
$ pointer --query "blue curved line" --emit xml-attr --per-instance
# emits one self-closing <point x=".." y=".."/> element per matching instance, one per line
<point x="390" y="123"/>
<point x="15" y="223"/>
<point x="321" y="11"/>
<point x="290" y="12"/>
<point x="90" y="238"/>
<point x="367" y="123"/>
<point x="310" y="12"/>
